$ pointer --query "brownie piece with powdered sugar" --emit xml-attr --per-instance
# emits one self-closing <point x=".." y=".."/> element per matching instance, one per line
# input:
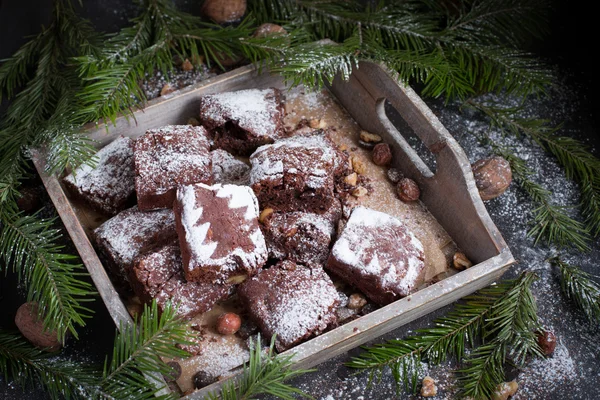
<point x="377" y="254"/>
<point x="218" y="232"/>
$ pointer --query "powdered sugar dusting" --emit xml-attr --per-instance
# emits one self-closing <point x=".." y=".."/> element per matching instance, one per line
<point x="228" y="169"/>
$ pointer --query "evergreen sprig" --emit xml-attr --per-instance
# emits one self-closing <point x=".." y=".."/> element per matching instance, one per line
<point x="30" y="367"/>
<point x="265" y="373"/>
<point x="502" y="317"/>
<point x="581" y="288"/>
<point x="55" y="280"/>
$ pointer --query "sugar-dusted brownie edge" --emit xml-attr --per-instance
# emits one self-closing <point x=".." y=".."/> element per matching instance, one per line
<point x="302" y="237"/>
<point x="292" y="301"/>
<point x="206" y="214"/>
<point x="167" y="157"/>
<point x="297" y="173"/>
<point x="227" y="169"/>
<point x="122" y="238"/>
<point x="242" y="120"/>
<point x="368" y="252"/>
<point x="109" y="187"/>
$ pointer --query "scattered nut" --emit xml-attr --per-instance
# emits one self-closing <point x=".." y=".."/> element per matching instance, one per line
<point x="32" y="327"/>
<point x="351" y="179"/>
<point x="237" y="279"/>
<point x="492" y="176"/>
<point x="265" y="215"/>
<point x="408" y="190"/>
<point x="135" y="309"/>
<point x="193" y="122"/>
<point x="460" y="261"/>
<point x="269" y="29"/>
<point x="187" y="65"/>
<point x="228" y="323"/>
<point x="428" y="388"/>
<point x="358" y="166"/>
<point x="291" y="232"/>
<point x="547" y="342"/>
<point x="505" y="390"/>
<point x="166" y="89"/>
<point x="369" y="137"/>
<point x="356" y="301"/>
<point x="382" y="154"/>
<point x="175" y="372"/>
<point x="202" y="378"/>
<point x="360" y="191"/>
<point x="224" y="11"/>
<point x="394" y="175"/>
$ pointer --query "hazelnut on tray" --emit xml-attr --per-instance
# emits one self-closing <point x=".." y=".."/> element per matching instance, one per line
<point x="228" y="323"/>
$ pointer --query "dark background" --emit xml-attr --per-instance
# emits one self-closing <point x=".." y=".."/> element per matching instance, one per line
<point x="569" y="46"/>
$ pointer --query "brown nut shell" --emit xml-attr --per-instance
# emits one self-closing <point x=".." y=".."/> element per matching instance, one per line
<point x="493" y="176"/>
<point x="32" y="328"/>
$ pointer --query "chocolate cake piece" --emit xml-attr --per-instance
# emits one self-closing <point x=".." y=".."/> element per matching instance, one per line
<point x="243" y="120"/>
<point x="109" y="186"/>
<point x="291" y="301"/>
<point x="158" y="274"/>
<point x="378" y="255"/>
<point x="128" y="234"/>
<point x="297" y="173"/>
<point x="227" y="169"/>
<point x="167" y="157"/>
<point x="218" y="232"/>
<point x="300" y="236"/>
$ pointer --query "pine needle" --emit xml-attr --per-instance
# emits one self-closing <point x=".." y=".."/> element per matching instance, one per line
<point x="581" y="288"/>
<point x="265" y="374"/>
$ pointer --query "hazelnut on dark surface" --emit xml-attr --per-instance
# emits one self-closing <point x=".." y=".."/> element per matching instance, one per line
<point x="382" y="154"/>
<point x="223" y="11"/>
<point x="408" y="190"/>
<point x="32" y="327"/>
<point x="505" y="390"/>
<point x="547" y="342"/>
<point x="228" y="323"/>
<point x="428" y="388"/>
<point x="268" y="29"/>
<point x="492" y="176"/>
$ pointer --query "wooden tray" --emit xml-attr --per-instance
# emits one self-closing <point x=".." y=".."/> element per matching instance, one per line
<point x="449" y="194"/>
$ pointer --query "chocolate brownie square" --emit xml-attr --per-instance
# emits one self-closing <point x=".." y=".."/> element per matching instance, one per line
<point x="378" y="255"/>
<point x="218" y="232"/>
<point x="167" y="157"/>
<point x="296" y="173"/>
<point x="291" y="301"/>
<point x="158" y="274"/>
<point x="128" y="234"/>
<point x="109" y="186"/>
<point x="300" y="236"/>
<point x="227" y="169"/>
<point x="243" y="120"/>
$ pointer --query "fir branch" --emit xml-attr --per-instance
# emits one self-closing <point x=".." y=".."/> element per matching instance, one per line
<point x="483" y="371"/>
<point x="28" y="366"/>
<point x="264" y="374"/>
<point x="53" y="279"/>
<point x="138" y="354"/>
<point x="579" y="287"/>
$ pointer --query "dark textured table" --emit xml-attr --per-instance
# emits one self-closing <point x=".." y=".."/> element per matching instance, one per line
<point x="574" y="370"/>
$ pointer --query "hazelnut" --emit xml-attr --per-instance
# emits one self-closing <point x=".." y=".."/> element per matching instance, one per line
<point x="547" y="342"/>
<point x="32" y="327"/>
<point x="135" y="309"/>
<point x="369" y="137"/>
<point x="269" y="29"/>
<point x="505" y="390"/>
<point x="291" y="232"/>
<point x="492" y="176"/>
<point x="228" y="323"/>
<point x="166" y="89"/>
<point x="428" y="388"/>
<point x="265" y="215"/>
<point x="314" y="123"/>
<point x="351" y="179"/>
<point x="460" y="261"/>
<point x="175" y="372"/>
<point x="202" y="378"/>
<point x="187" y="65"/>
<point x="408" y="190"/>
<point x="358" y="166"/>
<point x="224" y="11"/>
<point x="382" y="154"/>
<point x="237" y="279"/>
<point x="360" y="192"/>
<point x="394" y="175"/>
<point x="356" y="301"/>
